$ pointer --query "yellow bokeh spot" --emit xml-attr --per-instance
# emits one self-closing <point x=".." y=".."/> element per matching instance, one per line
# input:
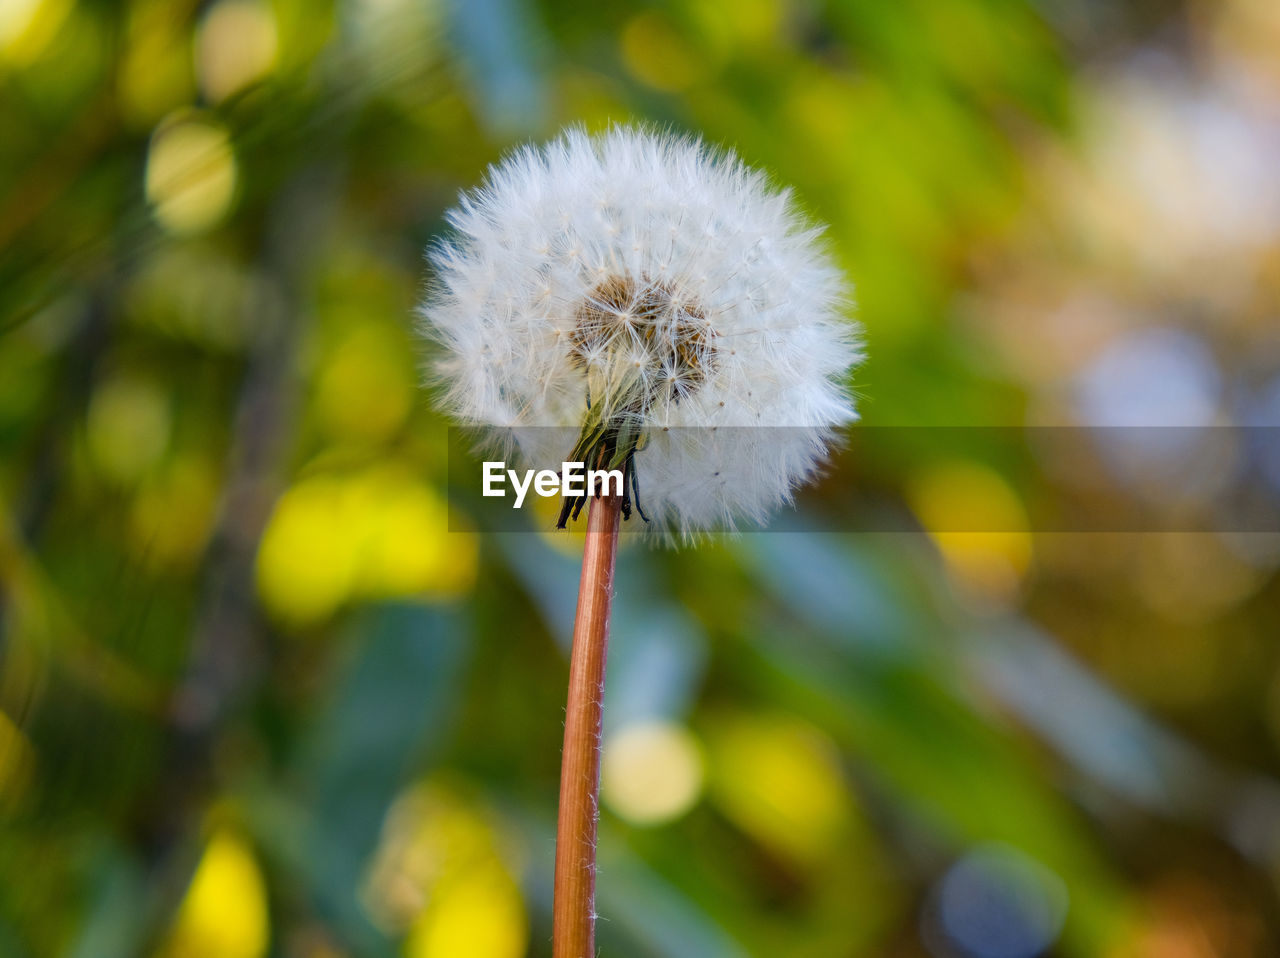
<point x="191" y="174"/>
<point x="379" y="534"/>
<point x="657" y="54"/>
<point x="408" y="548"/>
<point x="235" y="45"/>
<point x="779" y="780"/>
<point x="651" y="772"/>
<point x="224" y="914"/>
<point x="128" y="427"/>
<point x="27" y="26"/>
<point x="440" y="872"/>
<point x="365" y="390"/>
<point x="979" y="526"/>
<point x="307" y="557"/>
<point x="478" y="913"/>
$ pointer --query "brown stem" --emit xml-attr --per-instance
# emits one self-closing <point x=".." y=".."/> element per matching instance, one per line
<point x="574" y="925"/>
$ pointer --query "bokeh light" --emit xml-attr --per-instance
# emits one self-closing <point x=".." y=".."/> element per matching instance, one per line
<point x="651" y="772"/>
<point x="779" y="780"/>
<point x="224" y="913"/>
<point x="979" y="526"/>
<point x="235" y="46"/>
<point x="441" y="873"/>
<point x="27" y="26"/>
<point x="1155" y="377"/>
<point x="1151" y="398"/>
<point x="376" y="534"/>
<point x="998" y="903"/>
<point x="191" y="173"/>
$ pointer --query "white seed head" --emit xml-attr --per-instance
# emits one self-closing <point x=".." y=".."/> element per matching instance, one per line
<point x="646" y="283"/>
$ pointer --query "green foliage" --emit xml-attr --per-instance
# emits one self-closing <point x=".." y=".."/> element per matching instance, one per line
<point x="253" y="653"/>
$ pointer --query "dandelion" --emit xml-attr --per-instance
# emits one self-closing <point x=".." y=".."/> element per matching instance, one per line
<point x="645" y="299"/>
<point x="639" y="301"/>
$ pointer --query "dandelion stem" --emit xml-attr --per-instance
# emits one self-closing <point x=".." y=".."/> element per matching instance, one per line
<point x="575" y="885"/>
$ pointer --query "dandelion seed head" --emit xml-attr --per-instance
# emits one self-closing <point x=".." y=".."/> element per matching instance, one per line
<point x="648" y="279"/>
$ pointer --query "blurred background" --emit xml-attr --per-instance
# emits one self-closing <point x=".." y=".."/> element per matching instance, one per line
<point x="262" y="693"/>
